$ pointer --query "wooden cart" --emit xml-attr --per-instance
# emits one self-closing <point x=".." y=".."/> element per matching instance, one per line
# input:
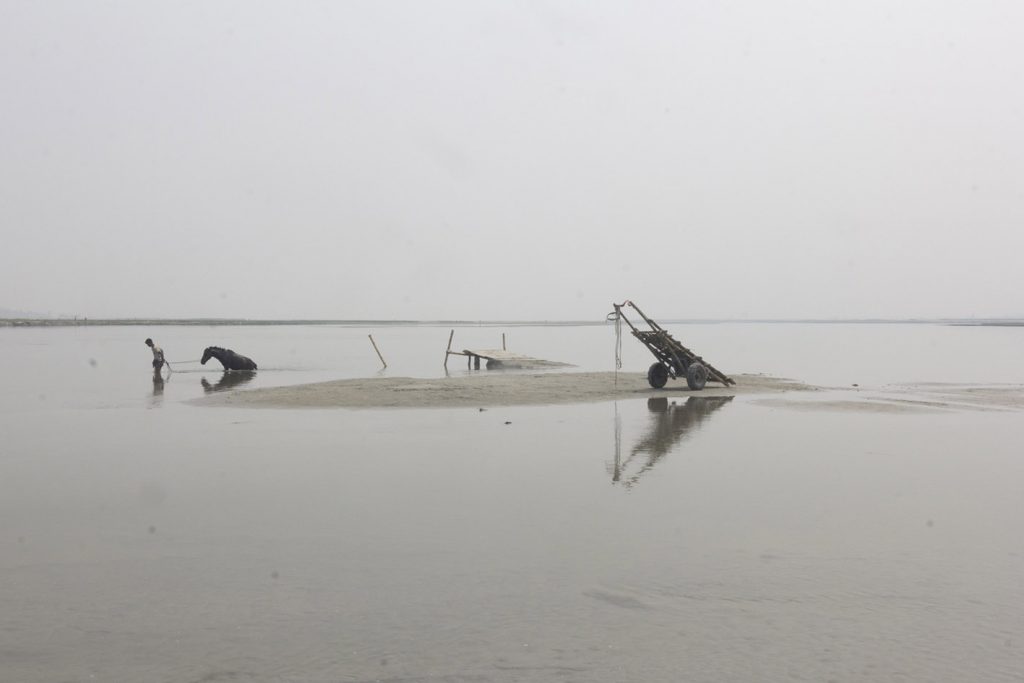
<point x="674" y="359"/>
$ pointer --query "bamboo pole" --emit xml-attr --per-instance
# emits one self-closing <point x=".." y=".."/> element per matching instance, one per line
<point x="448" y="351"/>
<point x="378" y="351"/>
<point x="503" y="342"/>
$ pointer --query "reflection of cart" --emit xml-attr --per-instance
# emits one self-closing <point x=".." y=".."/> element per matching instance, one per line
<point x="674" y="359"/>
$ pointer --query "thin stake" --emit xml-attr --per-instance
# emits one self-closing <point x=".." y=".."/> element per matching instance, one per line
<point x="449" y="350"/>
<point x="377" y="350"/>
<point x="503" y="342"/>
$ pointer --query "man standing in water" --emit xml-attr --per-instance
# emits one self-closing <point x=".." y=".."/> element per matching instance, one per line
<point x="158" y="356"/>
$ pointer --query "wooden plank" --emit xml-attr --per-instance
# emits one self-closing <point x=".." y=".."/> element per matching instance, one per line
<point x="510" y="359"/>
<point x="497" y="354"/>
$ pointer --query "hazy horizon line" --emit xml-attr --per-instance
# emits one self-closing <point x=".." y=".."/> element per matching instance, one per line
<point x="100" y="322"/>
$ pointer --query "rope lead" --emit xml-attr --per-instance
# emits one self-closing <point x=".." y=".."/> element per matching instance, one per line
<point x="617" y="317"/>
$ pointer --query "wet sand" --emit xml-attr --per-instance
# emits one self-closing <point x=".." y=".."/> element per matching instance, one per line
<point x="926" y="397"/>
<point x="490" y="389"/>
<point x="517" y="389"/>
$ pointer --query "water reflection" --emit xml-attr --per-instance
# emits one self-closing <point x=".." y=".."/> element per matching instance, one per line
<point x="158" y="383"/>
<point x="229" y="380"/>
<point x="670" y="423"/>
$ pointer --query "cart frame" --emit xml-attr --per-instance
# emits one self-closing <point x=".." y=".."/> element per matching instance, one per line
<point x="673" y="359"/>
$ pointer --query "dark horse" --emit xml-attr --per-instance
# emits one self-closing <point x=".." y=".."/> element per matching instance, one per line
<point x="228" y="358"/>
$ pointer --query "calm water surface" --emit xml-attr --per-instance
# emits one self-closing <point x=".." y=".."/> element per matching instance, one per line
<point x="146" y="539"/>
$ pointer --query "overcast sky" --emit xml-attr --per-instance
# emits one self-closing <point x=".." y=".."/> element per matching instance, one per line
<point x="512" y="160"/>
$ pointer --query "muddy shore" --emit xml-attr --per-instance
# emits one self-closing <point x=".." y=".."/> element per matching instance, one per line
<point x="550" y="388"/>
<point x="490" y="389"/>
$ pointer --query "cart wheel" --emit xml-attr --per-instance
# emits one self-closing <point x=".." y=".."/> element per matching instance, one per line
<point x="696" y="376"/>
<point x="657" y="375"/>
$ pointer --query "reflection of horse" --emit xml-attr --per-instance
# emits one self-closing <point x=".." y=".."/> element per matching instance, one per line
<point x="228" y="358"/>
<point x="227" y="381"/>
<point x="670" y="424"/>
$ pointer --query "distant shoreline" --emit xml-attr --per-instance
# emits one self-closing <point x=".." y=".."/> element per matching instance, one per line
<point x="217" y="322"/>
<point x="214" y="322"/>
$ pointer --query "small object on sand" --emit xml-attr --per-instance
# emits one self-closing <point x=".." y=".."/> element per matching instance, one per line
<point x="481" y="409"/>
<point x="508" y="422"/>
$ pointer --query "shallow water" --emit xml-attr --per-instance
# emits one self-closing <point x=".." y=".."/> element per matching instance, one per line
<point x="145" y="539"/>
<point x="89" y="367"/>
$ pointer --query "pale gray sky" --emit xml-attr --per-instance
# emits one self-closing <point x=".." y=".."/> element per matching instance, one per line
<point x="514" y="160"/>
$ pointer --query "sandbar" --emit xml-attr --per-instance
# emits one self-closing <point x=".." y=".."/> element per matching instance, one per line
<point x="485" y="389"/>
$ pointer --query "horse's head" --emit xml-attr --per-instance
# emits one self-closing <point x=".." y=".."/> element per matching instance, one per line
<point x="207" y="354"/>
